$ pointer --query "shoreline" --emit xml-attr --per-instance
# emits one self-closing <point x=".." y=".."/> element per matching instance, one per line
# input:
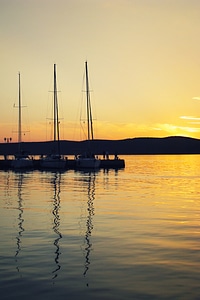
<point x="148" y="145"/>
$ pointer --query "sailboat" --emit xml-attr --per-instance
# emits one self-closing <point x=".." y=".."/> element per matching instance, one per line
<point x="88" y="159"/>
<point x="21" y="160"/>
<point x="54" y="160"/>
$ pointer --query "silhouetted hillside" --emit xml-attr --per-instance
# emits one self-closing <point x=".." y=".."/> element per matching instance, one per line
<point x="168" y="145"/>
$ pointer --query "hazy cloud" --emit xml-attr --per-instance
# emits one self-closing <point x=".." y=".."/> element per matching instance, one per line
<point x="190" y="118"/>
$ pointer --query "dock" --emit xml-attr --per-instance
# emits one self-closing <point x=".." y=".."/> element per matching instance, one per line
<point x="5" y="164"/>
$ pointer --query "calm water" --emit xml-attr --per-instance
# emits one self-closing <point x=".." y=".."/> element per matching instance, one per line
<point x="126" y="234"/>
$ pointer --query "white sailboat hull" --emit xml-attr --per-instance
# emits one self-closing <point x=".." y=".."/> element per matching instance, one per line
<point x="52" y="162"/>
<point x="22" y="163"/>
<point x="87" y="163"/>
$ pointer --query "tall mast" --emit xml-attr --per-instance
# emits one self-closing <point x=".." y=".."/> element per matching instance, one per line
<point x="89" y="108"/>
<point x="56" y="121"/>
<point x="55" y="105"/>
<point x="20" y="115"/>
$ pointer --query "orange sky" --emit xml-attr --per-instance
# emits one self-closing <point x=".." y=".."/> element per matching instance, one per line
<point x="143" y="59"/>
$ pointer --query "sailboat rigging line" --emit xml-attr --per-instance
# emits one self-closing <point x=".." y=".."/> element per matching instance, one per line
<point x="54" y="111"/>
<point x="88" y="158"/>
<point x="20" y="114"/>
<point x="56" y="122"/>
<point x="89" y="110"/>
<point x="86" y="117"/>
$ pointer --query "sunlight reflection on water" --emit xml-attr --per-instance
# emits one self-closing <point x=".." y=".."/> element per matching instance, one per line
<point x="114" y="234"/>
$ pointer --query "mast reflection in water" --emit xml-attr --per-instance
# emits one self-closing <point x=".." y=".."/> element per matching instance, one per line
<point x="90" y="181"/>
<point x="20" y="218"/>
<point x="56" y="221"/>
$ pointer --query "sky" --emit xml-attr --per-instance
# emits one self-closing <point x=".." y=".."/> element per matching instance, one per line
<point x="143" y="59"/>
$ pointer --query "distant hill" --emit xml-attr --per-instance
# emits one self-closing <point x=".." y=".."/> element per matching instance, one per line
<point x="167" y="145"/>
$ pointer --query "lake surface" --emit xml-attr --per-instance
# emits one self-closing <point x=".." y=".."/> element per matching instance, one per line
<point x="132" y="233"/>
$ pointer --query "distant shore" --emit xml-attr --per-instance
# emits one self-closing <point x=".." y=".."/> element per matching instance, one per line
<point x="148" y="145"/>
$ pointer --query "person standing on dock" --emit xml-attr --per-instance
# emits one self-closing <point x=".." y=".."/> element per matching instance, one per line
<point x="107" y="155"/>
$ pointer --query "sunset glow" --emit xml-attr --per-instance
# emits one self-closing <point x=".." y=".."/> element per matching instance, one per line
<point x="144" y="70"/>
